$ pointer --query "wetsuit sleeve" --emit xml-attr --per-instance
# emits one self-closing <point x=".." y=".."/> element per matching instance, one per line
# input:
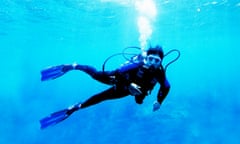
<point x="163" y="90"/>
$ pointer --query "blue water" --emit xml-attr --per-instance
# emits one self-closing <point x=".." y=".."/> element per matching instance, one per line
<point x="203" y="105"/>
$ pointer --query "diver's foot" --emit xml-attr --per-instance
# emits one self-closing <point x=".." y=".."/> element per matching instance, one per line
<point x="67" y="68"/>
<point x="73" y="108"/>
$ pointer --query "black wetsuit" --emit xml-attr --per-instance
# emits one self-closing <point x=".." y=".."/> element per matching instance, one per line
<point x="120" y="79"/>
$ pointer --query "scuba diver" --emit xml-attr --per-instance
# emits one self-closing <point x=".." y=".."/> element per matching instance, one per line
<point x="137" y="78"/>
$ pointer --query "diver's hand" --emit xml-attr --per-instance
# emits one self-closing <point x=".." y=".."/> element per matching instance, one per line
<point x="156" y="105"/>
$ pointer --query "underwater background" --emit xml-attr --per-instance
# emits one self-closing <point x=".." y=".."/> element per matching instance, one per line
<point x="202" y="106"/>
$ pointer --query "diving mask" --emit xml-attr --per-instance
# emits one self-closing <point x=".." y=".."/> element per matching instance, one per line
<point x="153" y="60"/>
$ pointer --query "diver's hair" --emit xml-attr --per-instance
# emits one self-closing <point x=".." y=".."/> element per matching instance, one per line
<point x="156" y="50"/>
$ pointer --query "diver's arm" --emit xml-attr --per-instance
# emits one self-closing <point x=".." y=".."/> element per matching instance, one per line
<point x="162" y="93"/>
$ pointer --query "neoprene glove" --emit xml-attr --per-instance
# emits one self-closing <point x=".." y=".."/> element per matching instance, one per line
<point x="156" y="105"/>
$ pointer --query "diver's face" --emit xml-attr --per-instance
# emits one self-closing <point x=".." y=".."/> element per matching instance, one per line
<point x="153" y="60"/>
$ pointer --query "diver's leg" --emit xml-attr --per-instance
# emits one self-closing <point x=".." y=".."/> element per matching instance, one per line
<point x="104" y="77"/>
<point x="111" y="93"/>
<point x="87" y="69"/>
